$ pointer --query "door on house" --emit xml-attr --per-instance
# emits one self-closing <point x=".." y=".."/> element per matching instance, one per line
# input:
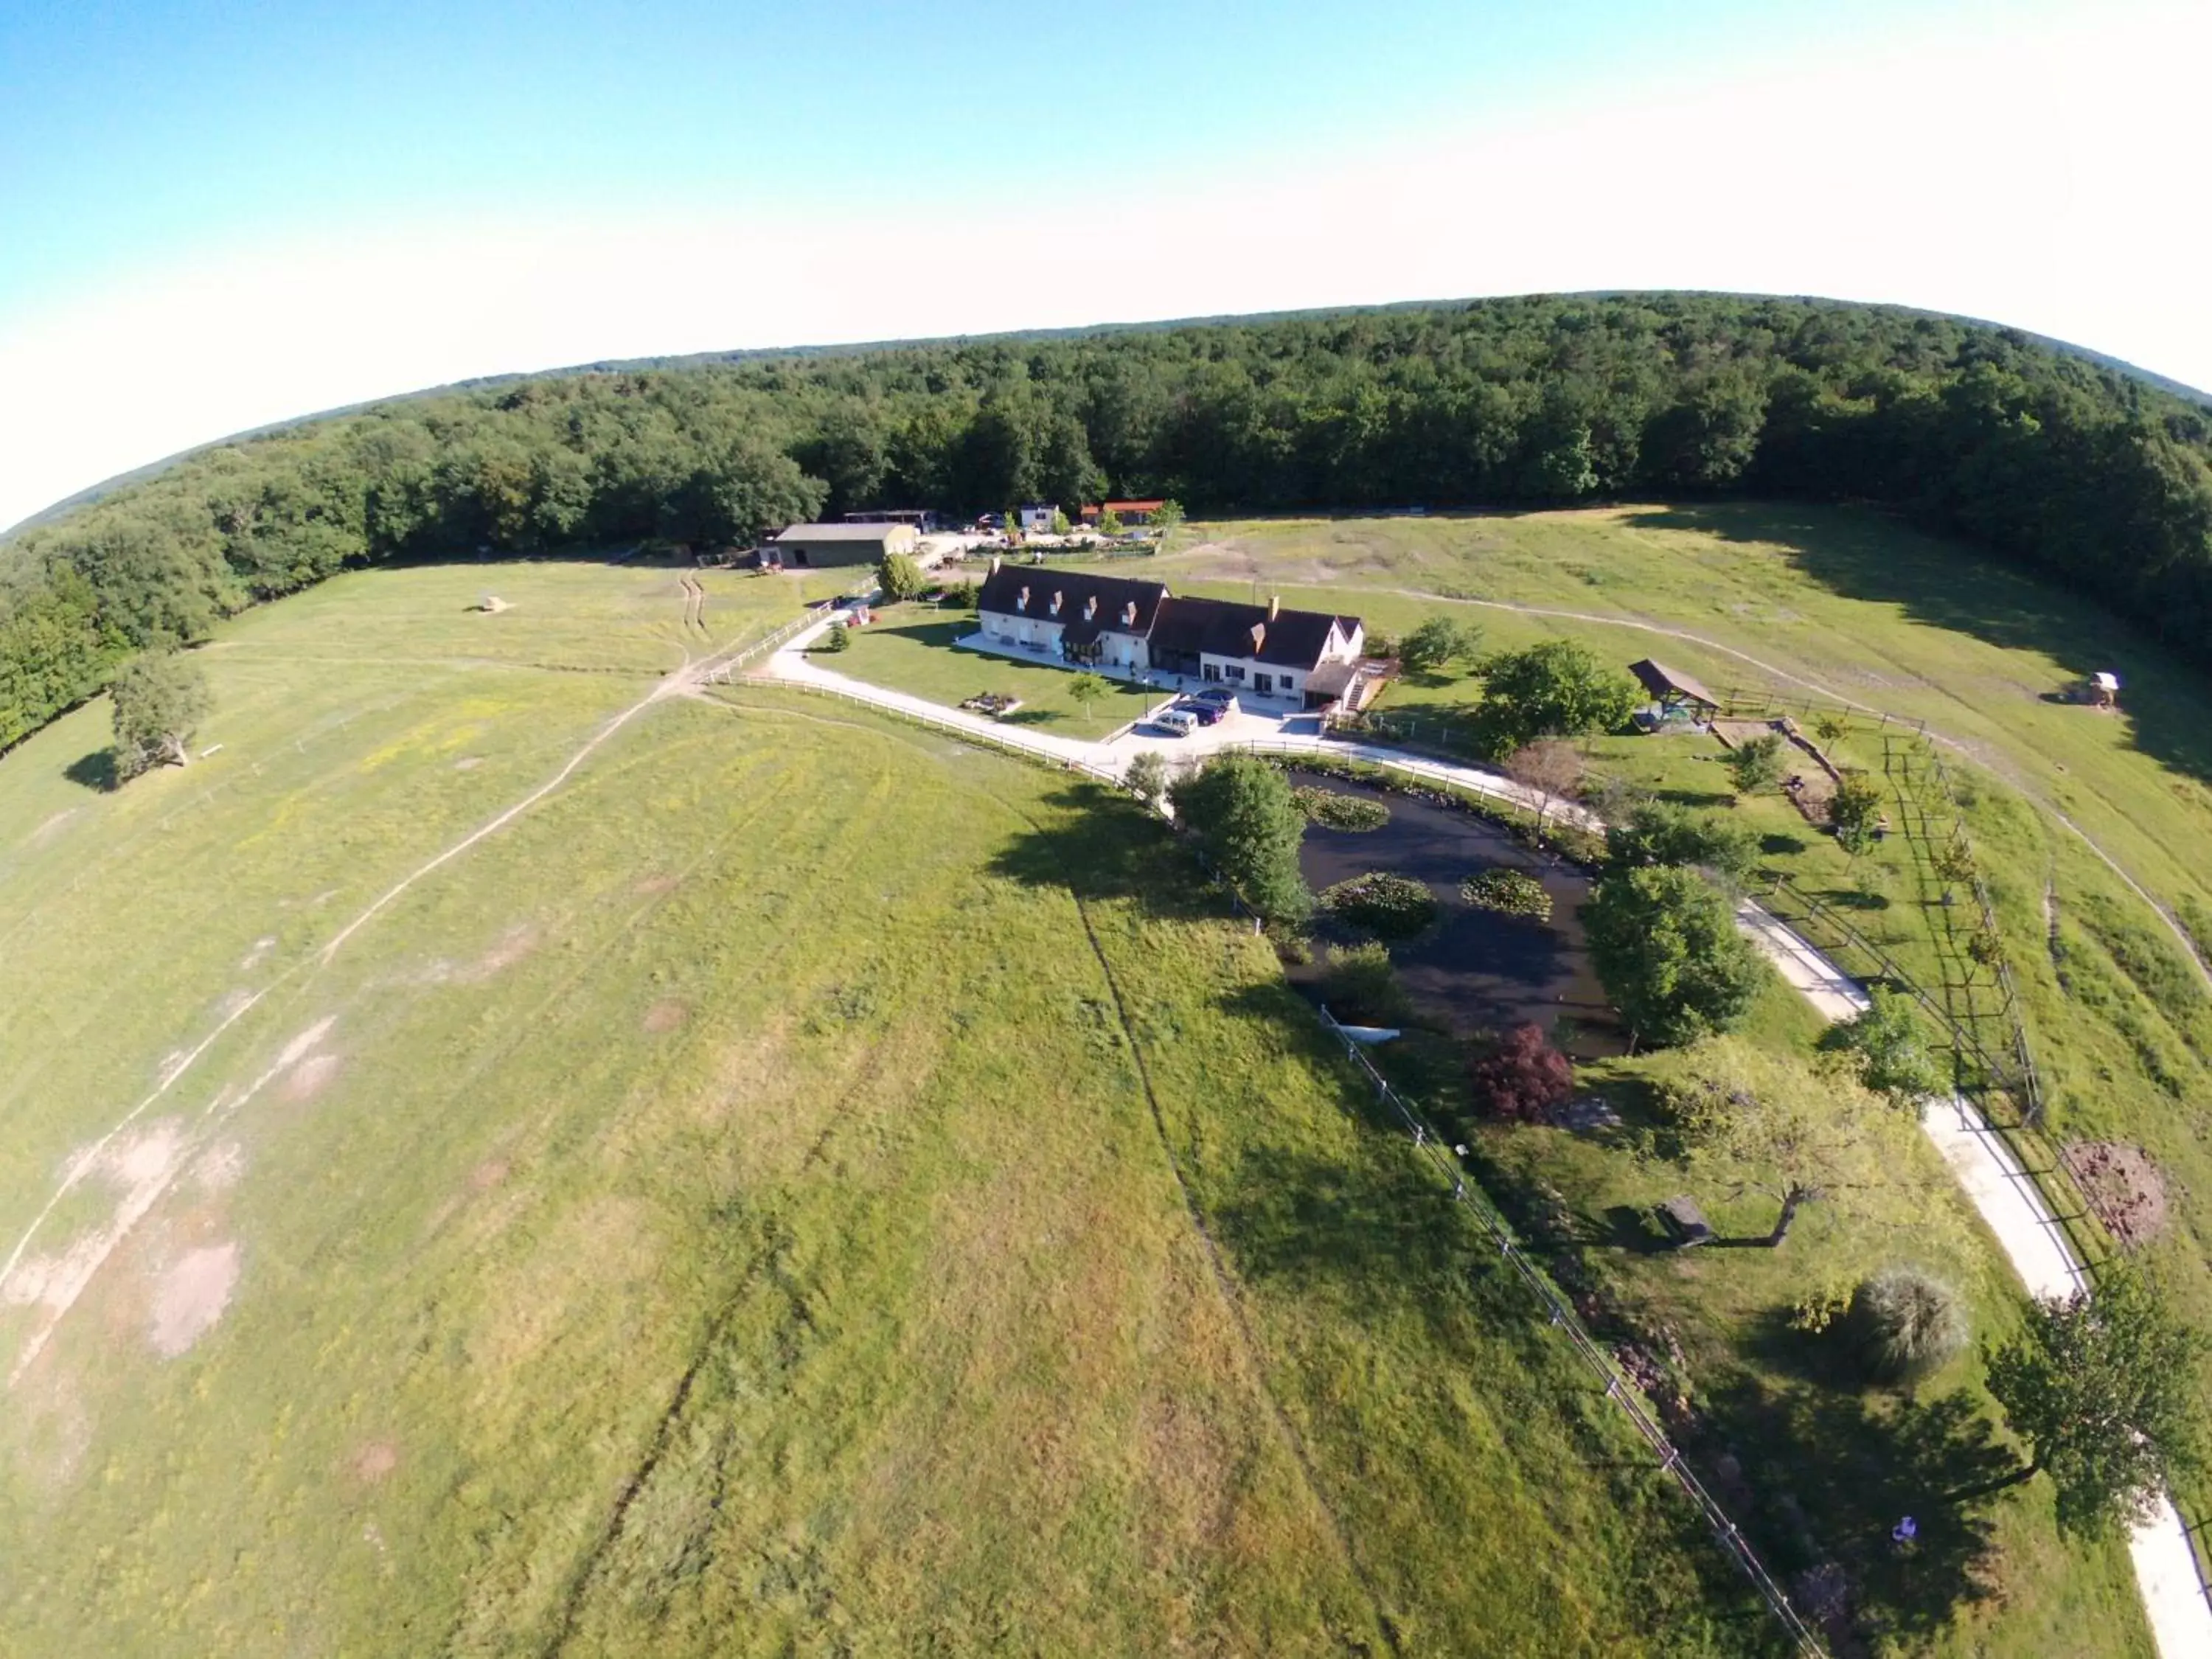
<point x="1212" y="672"/>
<point x="1264" y="685"/>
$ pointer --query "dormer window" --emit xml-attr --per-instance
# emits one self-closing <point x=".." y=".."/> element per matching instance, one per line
<point x="1022" y="603"/>
<point x="1090" y="607"/>
<point x="1056" y="599"/>
<point x="1129" y="614"/>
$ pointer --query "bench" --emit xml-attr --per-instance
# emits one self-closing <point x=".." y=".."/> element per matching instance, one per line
<point x="1683" y="1223"/>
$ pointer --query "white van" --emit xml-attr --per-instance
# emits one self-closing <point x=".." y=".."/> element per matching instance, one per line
<point x="1176" y="721"/>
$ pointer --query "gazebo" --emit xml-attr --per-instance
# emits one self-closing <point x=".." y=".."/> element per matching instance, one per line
<point x="1674" y="691"/>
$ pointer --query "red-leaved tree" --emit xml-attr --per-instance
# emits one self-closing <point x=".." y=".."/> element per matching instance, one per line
<point x="1523" y="1077"/>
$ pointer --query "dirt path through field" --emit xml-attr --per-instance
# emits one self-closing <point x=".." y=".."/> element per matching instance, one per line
<point x="678" y="682"/>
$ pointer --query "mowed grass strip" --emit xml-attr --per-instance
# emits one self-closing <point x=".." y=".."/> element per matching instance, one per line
<point x="724" y="1213"/>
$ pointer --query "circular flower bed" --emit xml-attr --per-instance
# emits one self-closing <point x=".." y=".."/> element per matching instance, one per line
<point x="1388" y="906"/>
<point x="1509" y="892"/>
<point x="1334" y="811"/>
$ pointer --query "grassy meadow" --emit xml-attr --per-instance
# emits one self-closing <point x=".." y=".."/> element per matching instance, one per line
<point x="1828" y="604"/>
<point x="910" y="648"/>
<point x="806" y="1185"/>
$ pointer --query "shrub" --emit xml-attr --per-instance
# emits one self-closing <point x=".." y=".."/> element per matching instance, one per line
<point x="1890" y="1046"/>
<point x="1522" y="1077"/>
<point x="1756" y="764"/>
<point x="1856" y="810"/>
<point x="1509" y="892"/>
<point x="1388" y="906"/>
<point x="1361" y="987"/>
<point x="1147" y="777"/>
<point x="1903" y="1326"/>
<point x="1336" y="811"/>
<point x="1654" y="832"/>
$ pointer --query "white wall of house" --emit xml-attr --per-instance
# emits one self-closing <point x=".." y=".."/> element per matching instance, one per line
<point x="1005" y="628"/>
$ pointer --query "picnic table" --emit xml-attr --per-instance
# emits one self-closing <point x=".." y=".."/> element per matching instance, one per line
<point x="1684" y="1222"/>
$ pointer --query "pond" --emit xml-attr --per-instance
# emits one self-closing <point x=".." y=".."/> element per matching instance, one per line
<point x="1475" y="971"/>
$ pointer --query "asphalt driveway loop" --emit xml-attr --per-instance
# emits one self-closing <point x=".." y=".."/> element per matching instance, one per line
<point x="1475" y="971"/>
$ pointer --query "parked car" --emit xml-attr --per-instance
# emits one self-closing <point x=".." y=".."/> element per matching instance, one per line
<point x="1204" y="714"/>
<point x="1177" y="722"/>
<point x="1220" y="696"/>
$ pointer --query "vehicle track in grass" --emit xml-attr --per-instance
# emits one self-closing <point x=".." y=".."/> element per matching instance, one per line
<point x="678" y="681"/>
<point x="1225" y="1285"/>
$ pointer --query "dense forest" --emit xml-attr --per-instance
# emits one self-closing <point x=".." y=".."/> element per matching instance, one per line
<point x="2043" y="457"/>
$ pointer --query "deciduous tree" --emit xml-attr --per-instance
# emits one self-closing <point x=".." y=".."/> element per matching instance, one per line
<point x="1550" y="766"/>
<point x="161" y="698"/>
<point x="1856" y="810"/>
<point x="1890" y="1049"/>
<point x="1556" y="688"/>
<point x="1664" y="943"/>
<point x="2102" y="1386"/>
<point x="1244" y="816"/>
<point x="900" y="577"/>
<point x="1762" y="1122"/>
<point x="1087" y="688"/>
<point x="1438" y="642"/>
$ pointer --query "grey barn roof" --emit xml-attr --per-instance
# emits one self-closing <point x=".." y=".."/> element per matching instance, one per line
<point x="837" y="532"/>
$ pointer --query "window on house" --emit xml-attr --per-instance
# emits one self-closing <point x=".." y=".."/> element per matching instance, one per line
<point x="1234" y="672"/>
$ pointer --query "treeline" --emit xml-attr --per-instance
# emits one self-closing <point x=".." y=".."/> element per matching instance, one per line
<point x="2066" y="466"/>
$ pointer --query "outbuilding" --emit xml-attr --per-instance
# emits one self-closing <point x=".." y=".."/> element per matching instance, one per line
<point x="1674" y="691"/>
<point x="809" y="546"/>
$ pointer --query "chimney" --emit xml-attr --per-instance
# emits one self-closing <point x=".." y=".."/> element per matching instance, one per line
<point x="1275" y="606"/>
<point x="995" y="564"/>
<point x="1129" y="614"/>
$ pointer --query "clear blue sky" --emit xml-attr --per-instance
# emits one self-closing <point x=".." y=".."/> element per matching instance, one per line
<point x="132" y="133"/>
<point x="235" y="214"/>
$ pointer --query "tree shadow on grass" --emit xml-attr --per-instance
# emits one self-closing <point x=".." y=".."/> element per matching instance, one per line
<point x="1861" y="555"/>
<point x="98" y="770"/>
<point x="1832" y="1475"/>
<point x="1697" y="798"/>
<point x="1102" y="844"/>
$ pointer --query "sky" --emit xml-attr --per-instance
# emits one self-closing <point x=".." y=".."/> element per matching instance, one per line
<point x="213" y="217"/>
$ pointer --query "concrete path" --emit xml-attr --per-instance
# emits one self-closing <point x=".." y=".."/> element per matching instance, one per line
<point x="2013" y="1206"/>
<point x="2006" y="1198"/>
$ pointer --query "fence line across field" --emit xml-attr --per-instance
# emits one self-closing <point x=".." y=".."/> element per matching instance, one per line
<point x="2033" y="1161"/>
<point x="1619" y="1388"/>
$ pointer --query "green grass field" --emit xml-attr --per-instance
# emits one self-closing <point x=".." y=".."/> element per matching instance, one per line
<point x="911" y="649"/>
<point x="1850" y="604"/>
<point x="811" y="1185"/>
<point x="806" y="1186"/>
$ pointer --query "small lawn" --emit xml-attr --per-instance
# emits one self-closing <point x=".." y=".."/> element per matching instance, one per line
<point x="910" y="648"/>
